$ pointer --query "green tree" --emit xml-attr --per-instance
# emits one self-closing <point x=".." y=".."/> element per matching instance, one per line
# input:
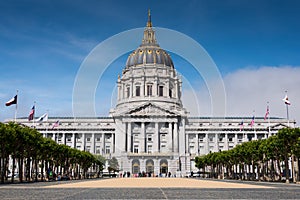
<point x="113" y="165"/>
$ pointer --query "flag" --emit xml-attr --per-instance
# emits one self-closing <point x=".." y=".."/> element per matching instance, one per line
<point x="267" y="113"/>
<point x="31" y="114"/>
<point x="43" y="118"/>
<point x="12" y="101"/>
<point x="286" y="100"/>
<point x="252" y="121"/>
<point x="242" y="125"/>
<point x="56" y="124"/>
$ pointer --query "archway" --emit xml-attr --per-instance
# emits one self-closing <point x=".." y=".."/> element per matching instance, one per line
<point x="149" y="166"/>
<point x="163" y="166"/>
<point x="135" y="166"/>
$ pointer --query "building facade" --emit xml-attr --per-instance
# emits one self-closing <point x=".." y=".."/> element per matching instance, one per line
<point x="149" y="130"/>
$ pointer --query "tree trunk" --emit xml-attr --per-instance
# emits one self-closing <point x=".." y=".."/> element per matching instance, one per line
<point x="2" y="169"/>
<point x="36" y="170"/>
<point x="13" y="170"/>
<point x="279" y="169"/>
<point x="287" y="174"/>
<point x="293" y="169"/>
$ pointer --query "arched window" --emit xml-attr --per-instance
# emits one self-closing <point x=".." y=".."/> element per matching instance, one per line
<point x="135" y="166"/>
<point x="163" y="166"/>
<point x="149" y="166"/>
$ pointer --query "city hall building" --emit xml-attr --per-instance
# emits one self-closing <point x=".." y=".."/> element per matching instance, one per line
<point x="149" y="130"/>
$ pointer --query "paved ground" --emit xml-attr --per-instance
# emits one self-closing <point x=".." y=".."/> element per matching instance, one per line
<point x="150" y="188"/>
<point x="155" y="183"/>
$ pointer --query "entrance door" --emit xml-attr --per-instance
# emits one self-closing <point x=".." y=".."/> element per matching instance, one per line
<point x="163" y="166"/>
<point x="149" y="166"/>
<point x="135" y="166"/>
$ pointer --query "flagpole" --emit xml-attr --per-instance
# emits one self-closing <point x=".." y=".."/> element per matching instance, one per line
<point x="269" y="119"/>
<point x="254" y="125"/>
<point x="33" y="114"/>
<point x="287" y="111"/>
<point x="16" y="110"/>
<point x="47" y="125"/>
<point x="287" y="114"/>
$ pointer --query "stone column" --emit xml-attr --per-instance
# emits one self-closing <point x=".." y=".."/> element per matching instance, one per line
<point x="129" y="133"/>
<point x="187" y="144"/>
<point x="216" y="142"/>
<point x="63" y="138"/>
<point x="131" y="88"/>
<point x="103" y="143"/>
<point x="155" y="85"/>
<point x="74" y="140"/>
<point x="206" y="140"/>
<point x="167" y="88"/>
<point x="255" y="135"/>
<point x="176" y="89"/>
<point x="93" y="143"/>
<point x="169" y="138"/>
<point x="83" y="141"/>
<point x="142" y="138"/>
<point x="156" y="139"/>
<point x="197" y="144"/>
<point x="143" y="87"/>
<point x="112" y="143"/>
<point x="235" y="139"/>
<point x="176" y="145"/>
<point x="181" y="138"/>
<point x="156" y="166"/>
<point x="226" y="142"/>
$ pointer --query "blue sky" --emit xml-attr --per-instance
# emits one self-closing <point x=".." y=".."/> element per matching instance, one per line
<point x="255" y="44"/>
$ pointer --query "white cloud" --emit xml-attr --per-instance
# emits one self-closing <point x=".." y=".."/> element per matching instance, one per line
<point x="250" y="89"/>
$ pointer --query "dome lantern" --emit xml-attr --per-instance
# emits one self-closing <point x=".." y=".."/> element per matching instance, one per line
<point x="149" y="52"/>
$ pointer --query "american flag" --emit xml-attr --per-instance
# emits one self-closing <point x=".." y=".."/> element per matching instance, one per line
<point x="56" y="124"/>
<point x="252" y="121"/>
<point x="242" y="125"/>
<point x="31" y="114"/>
<point x="267" y="113"/>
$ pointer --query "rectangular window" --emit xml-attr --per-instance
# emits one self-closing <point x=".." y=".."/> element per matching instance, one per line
<point x="107" y="149"/>
<point x="98" y="149"/>
<point x="88" y="149"/>
<point x="192" y="149"/>
<point x="136" y="149"/>
<point x="149" y="148"/>
<point x="160" y="91"/>
<point x="138" y="91"/>
<point x="149" y="90"/>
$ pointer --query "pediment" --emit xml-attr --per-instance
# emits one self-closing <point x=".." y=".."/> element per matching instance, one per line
<point x="279" y="126"/>
<point x="150" y="109"/>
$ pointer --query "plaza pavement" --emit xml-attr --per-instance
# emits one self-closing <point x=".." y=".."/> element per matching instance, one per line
<point x="155" y="183"/>
<point x="149" y="188"/>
